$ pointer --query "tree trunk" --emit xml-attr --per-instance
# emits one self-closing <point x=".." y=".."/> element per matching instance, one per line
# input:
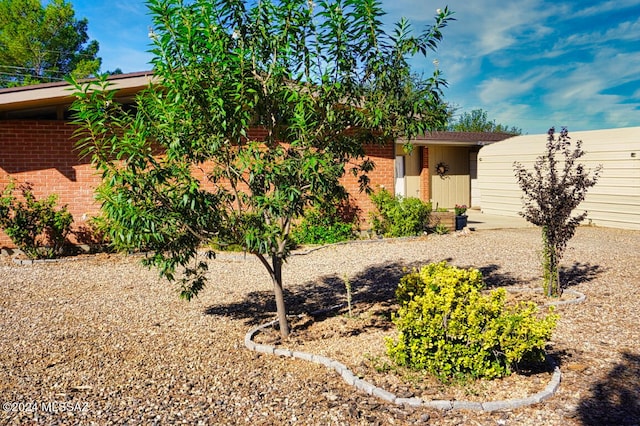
<point x="553" y="289"/>
<point x="279" y="294"/>
<point x="551" y="273"/>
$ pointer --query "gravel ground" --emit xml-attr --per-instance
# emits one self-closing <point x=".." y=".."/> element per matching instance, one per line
<point x="101" y="340"/>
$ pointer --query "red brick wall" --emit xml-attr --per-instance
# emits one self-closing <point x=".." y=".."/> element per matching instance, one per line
<point x="42" y="153"/>
<point x="382" y="175"/>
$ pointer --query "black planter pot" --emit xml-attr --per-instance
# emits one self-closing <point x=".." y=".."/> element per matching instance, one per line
<point x="461" y="222"/>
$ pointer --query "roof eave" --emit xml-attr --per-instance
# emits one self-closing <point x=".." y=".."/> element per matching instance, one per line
<point x="60" y="93"/>
<point x="457" y="138"/>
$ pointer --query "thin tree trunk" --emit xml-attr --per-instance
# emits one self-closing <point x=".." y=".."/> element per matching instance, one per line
<point x="554" y="276"/>
<point x="275" y="272"/>
<point x="550" y="273"/>
<point x="279" y="294"/>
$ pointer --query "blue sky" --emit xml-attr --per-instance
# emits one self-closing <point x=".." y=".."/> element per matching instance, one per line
<point x="530" y="64"/>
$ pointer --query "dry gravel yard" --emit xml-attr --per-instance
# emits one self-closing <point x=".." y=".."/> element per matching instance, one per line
<point x="101" y="340"/>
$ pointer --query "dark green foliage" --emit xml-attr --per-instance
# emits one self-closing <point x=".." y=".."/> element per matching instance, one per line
<point x="440" y="229"/>
<point x="37" y="227"/>
<point x="448" y="327"/>
<point x="40" y="44"/>
<point x="552" y="192"/>
<point x="477" y="121"/>
<point x="318" y="81"/>
<point x="398" y="216"/>
<point x="323" y="226"/>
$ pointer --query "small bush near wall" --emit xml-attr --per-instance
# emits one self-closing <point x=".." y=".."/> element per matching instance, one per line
<point x="398" y="216"/>
<point x="324" y="226"/>
<point x="449" y="328"/>
<point x="37" y="227"/>
<point x="93" y="234"/>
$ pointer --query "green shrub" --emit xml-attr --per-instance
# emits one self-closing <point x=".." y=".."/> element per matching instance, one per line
<point x="440" y="229"/>
<point x="322" y="227"/>
<point x="398" y="216"/>
<point x="95" y="231"/>
<point x="448" y="327"/>
<point x="35" y="226"/>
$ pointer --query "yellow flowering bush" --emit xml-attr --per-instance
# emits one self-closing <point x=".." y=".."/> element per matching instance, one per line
<point x="450" y="328"/>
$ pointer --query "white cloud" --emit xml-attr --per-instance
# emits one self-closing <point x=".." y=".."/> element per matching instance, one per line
<point x="608" y="69"/>
<point x="513" y="66"/>
<point x="502" y="89"/>
<point x="514" y="115"/>
<point x="481" y="26"/>
<point x="492" y="25"/>
<point x="581" y="94"/>
<point x="625" y="31"/>
<point x="575" y="94"/>
<point x="131" y="7"/>
<point x="606" y="6"/>
<point x="530" y="64"/>
<point x="458" y="68"/>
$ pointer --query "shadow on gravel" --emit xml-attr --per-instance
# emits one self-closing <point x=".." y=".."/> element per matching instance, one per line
<point x="560" y="356"/>
<point x="494" y="278"/>
<point x="616" y="399"/>
<point x="579" y="273"/>
<point x="375" y="284"/>
<point x="257" y="307"/>
<point x="379" y="283"/>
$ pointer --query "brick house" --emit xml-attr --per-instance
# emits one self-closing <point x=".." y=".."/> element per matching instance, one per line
<point x="37" y="147"/>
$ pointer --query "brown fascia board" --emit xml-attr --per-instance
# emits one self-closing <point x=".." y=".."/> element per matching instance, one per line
<point x="458" y="138"/>
<point x="58" y="93"/>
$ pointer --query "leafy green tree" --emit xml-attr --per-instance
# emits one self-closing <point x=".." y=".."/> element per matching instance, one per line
<point x="263" y="107"/>
<point x="552" y="192"/>
<point x="477" y="121"/>
<point x="41" y="44"/>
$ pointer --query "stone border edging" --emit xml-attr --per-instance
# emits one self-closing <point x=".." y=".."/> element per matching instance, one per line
<point x="580" y="297"/>
<point x="40" y="261"/>
<point x="352" y="380"/>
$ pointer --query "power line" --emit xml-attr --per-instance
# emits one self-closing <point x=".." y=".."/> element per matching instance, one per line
<point x="35" y="77"/>
<point x="61" y="51"/>
<point x="49" y="70"/>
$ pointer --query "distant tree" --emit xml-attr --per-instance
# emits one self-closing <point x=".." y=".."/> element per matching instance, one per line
<point x="478" y="121"/>
<point x="551" y="192"/>
<point x="117" y="71"/>
<point x="317" y="81"/>
<point x="42" y="44"/>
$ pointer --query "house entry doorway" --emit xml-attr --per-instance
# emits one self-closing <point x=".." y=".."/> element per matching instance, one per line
<point x="450" y="185"/>
<point x="407" y="173"/>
